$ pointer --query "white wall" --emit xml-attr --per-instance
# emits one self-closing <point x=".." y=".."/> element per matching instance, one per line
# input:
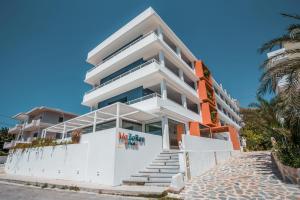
<point x="59" y="162"/>
<point x="204" y="153"/>
<point x="99" y="158"/>
<point x="129" y="161"/>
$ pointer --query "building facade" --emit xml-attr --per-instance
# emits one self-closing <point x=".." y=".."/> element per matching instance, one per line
<point x="32" y="123"/>
<point x="144" y="64"/>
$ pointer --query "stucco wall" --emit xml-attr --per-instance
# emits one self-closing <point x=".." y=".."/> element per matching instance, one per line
<point x="205" y="153"/>
<point x="98" y="158"/>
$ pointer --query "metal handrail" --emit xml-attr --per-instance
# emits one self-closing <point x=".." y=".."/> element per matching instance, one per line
<point x="143" y="98"/>
<point x="124" y="74"/>
<point x="122" y="49"/>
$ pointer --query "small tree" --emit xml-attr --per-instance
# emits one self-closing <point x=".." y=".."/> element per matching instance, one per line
<point x="4" y="137"/>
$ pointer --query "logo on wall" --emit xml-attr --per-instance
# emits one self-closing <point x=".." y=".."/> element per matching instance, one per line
<point x="131" y="141"/>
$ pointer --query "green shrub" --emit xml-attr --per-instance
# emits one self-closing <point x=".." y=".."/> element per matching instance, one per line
<point x="3" y="153"/>
<point x="288" y="154"/>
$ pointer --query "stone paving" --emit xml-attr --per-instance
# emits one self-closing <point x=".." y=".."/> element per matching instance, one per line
<point x="248" y="176"/>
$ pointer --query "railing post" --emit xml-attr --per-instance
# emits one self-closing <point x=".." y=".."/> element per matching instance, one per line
<point x="64" y="131"/>
<point x="95" y="121"/>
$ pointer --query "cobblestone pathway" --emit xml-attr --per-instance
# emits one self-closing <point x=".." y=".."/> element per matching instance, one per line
<point x="249" y="176"/>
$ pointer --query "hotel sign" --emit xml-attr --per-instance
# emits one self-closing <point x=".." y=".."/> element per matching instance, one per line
<point x="131" y="141"/>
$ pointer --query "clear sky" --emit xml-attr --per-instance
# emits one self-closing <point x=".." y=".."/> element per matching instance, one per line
<point x="44" y="44"/>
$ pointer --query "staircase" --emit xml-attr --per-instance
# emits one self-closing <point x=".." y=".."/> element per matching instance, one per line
<point x="159" y="172"/>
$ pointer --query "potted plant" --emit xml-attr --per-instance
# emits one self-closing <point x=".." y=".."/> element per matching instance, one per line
<point x="206" y="73"/>
<point x="213" y="115"/>
<point x="76" y="135"/>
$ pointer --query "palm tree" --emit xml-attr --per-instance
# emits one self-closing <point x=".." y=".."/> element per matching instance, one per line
<point x="286" y="71"/>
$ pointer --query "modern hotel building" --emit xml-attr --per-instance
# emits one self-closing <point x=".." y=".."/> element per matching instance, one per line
<point x="150" y="96"/>
<point x="145" y="65"/>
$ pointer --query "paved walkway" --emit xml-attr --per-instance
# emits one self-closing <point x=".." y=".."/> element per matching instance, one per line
<point x="249" y="176"/>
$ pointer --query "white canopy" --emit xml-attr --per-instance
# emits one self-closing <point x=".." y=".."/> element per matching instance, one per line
<point x="107" y="113"/>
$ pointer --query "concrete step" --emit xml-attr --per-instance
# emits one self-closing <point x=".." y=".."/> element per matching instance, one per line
<point x="165" y="164"/>
<point x="166" y="171"/>
<point x="154" y="175"/>
<point x="166" y="159"/>
<point x="167" y="156"/>
<point x="158" y="184"/>
<point x="150" y="179"/>
<point x="162" y="167"/>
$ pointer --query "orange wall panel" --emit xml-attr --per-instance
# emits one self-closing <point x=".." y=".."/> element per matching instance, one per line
<point x="194" y="128"/>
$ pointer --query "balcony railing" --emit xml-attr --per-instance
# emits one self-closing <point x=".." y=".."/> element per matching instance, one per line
<point x="122" y="49"/>
<point x="124" y="74"/>
<point x="143" y="98"/>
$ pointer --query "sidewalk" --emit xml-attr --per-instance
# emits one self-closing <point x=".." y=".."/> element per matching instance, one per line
<point x="138" y="191"/>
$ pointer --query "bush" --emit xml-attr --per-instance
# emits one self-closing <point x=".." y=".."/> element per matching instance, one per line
<point x="288" y="154"/>
<point x="3" y="153"/>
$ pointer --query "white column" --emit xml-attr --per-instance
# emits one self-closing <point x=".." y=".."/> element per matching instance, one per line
<point x="183" y="100"/>
<point x="118" y="116"/>
<point x="181" y="74"/>
<point x="163" y="89"/>
<point x="161" y="56"/>
<point x="165" y="133"/>
<point x="193" y="65"/>
<point x="160" y="33"/>
<point x="196" y="86"/>
<point x="187" y="128"/>
<point x="64" y="131"/>
<point x="178" y="52"/>
<point x="95" y="121"/>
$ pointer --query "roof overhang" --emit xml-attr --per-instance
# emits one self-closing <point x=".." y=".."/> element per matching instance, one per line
<point x="107" y="113"/>
<point x="146" y="21"/>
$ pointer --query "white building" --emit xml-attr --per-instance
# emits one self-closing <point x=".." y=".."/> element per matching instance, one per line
<point x="32" y="123"/>
<point x="150" y="97"/>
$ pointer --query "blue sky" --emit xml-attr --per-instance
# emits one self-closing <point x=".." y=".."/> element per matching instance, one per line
<point x="44" y="44"/>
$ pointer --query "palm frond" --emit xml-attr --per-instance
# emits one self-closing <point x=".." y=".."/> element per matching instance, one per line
<point x="268" y="46"/>
<point x="294" y="16"/>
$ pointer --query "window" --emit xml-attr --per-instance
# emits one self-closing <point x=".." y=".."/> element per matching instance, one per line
<point x="35" y="134"/>
<point x="88" y="129"/>
<point x="153" y="128"/>
<point x="106" y="125"/>
<point x="122" y="100"/>
<point x="131" y="125"/>
<point x="60" y="119"/>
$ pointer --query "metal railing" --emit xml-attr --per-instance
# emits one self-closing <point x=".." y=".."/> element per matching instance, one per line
<point x="122" y="49"/>
<point x="143" y="98"/>
<point x="124" y="74"/>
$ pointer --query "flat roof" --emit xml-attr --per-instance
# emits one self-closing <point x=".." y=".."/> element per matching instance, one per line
<point x="24" y="115"/>
<point x="102" y="115"/>
<point x="149" y="13"/>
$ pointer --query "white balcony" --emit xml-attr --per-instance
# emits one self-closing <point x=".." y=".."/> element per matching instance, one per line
<point x="15" y="130"/>
<point x="227" y="120"/>
<point x="228" y="108"/>
<point x="153" y="103"/>
<point x="146" y="75"/>
<point x="147" y="46"/>
<point x="136" y="49"/>
<point x="35" y="124"/>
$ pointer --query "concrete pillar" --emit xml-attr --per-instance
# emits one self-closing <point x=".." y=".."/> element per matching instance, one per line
<point x="178" y="52"/>
<point x="181" y="74"/>
<point x="187" y="128"/>
<point x="94" y="123"/>
<point x="193" y="65"/>
<point x="118" y="116"/>
<point x="163" y="89"/>
<point x="160" y="33"/>
<point x="161" y="56"/>
<point x="64" y="131"/>
<point x="196" y="86"/>
<point x="183" y="100"/>
<point x="165" y="133"/>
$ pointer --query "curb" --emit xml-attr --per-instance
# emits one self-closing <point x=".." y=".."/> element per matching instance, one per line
<point x="75" y="188"/>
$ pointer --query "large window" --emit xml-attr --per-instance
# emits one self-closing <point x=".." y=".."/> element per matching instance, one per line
<point x="131" y="125"/>
<point x="88" y="129"/>
<point x="154" y="128"/>
<point x="106" y="125"/>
